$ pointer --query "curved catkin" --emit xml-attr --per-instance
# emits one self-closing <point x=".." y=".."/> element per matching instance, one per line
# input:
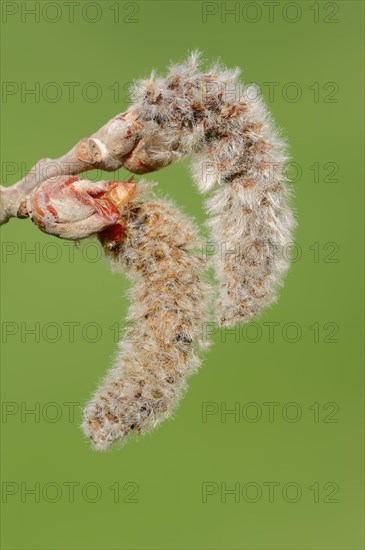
<point x="170" y="301"/>
<point x="239" y="155"/>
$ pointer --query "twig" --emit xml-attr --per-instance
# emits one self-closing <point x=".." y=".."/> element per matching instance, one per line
<point x="105" y="149"/>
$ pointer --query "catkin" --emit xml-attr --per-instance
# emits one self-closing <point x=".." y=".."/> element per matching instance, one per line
<point x="239" y="155"/>
<point x="161" y="254"/>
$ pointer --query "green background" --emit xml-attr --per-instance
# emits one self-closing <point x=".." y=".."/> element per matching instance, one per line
<point x="322" y="296"/>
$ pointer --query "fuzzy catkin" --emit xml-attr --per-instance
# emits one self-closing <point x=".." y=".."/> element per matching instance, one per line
<point x="161" y="254"/>
<point x="236" y="152"/>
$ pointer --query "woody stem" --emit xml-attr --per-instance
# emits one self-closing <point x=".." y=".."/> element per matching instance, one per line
<point x="105" y="149"/>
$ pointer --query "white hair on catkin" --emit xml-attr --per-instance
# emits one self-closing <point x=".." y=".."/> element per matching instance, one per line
<point x="239" y="155"/>
<point x="162" y="255"/>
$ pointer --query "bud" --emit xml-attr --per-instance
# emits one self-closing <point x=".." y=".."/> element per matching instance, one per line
<point x="75" y="208"/>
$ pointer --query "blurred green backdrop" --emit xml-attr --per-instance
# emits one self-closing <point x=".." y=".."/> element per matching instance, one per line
<point x="292" y="452"/>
